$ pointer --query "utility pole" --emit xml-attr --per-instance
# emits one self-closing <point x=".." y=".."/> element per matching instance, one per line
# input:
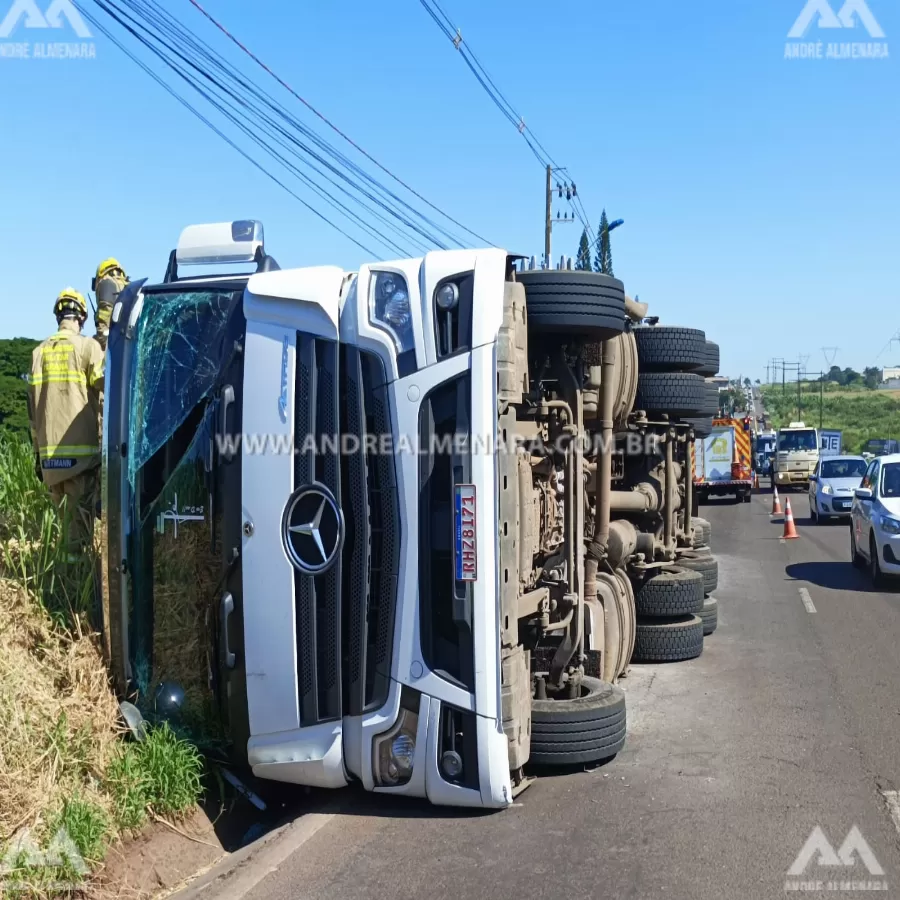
<point x="548" y="219"/>
<point x="548" y="212"/>
<point x="784" y="366"/>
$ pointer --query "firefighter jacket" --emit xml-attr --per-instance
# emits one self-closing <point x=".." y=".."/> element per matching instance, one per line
<point x="66" y="403"/>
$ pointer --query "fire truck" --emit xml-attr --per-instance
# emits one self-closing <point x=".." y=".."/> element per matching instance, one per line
<point x="722" y="461"/>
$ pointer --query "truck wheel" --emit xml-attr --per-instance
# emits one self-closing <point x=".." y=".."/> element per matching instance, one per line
<point x="710" y="366"/>
<point x="587" y="304"/>
<point x="712" y="400"/>
<point x="746" y="496"/>
<point x="675" y="592"/>
<point x="674" y="393"/>
<point x="670" y="349"/>
<point x="668" y="640"/>
<point x="706" y="566"/>
<point x="709" y="615"/>
<point x="702" y="427"/>
<point x="587" y="729"/>
<point x="705" y="531"/>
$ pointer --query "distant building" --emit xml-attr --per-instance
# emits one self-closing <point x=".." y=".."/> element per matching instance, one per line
<point x="890" y="373"/>
<point x="721" y="381"/>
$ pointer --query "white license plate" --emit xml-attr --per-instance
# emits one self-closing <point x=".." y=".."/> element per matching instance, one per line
<point x="465" y="524"/>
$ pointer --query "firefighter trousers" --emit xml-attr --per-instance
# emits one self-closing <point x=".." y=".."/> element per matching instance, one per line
<point x="76" y="499"/>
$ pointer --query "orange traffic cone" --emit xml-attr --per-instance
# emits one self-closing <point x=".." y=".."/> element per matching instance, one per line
<point x="756" y="482"/>
<point x="776" y="505"/>
<point x="789" y="530"/>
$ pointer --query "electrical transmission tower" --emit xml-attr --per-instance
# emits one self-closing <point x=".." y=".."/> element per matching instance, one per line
<point x="830" y="354"/>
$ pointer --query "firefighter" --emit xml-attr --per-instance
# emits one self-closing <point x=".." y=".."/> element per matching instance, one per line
<point x="107" y="283"/>
<point x="65" y="407"/>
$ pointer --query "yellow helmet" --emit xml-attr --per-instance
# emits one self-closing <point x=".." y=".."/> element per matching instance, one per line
<point x="107" y="266"/>
<point x="70" y="301"/>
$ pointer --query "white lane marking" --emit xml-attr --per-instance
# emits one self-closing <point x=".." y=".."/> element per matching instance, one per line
<point x="807" y="600"/>
<point x="892" y="799"/>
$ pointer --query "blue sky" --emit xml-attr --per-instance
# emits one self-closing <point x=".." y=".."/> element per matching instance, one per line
<point x="760" y="195"/>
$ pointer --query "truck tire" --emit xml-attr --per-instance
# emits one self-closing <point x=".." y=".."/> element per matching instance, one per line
<point x="702" y="426"/>
<point x="669" y="349"/>
<point x="705" y="530"/>
<point x="588" y="305"/>
<point x="588" y="729"/>
<point x="710" y="366"/>
<point x="706" y="566"/>
<point x="674" y="592"/>
<point x="709" y="615"/>
<point x="668" y="640"/>
<point x="712" y="400"/>
<point x="673" y="393"/>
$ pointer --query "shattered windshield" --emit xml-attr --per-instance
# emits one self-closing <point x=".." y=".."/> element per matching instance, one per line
<point x="182" y="341"/>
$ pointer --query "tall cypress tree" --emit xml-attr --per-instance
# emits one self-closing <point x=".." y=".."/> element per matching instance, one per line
<point x="603" y="259"/>
<point x="583" y="260"/>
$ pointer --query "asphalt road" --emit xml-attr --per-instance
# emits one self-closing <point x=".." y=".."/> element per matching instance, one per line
<point x="789" y="720"/>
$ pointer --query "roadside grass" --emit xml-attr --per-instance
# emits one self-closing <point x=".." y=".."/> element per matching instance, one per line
<point x="861" y="414"/>
<point x="64" y="763"/>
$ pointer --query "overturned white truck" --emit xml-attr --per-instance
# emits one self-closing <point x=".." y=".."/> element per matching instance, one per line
<point x="405" y="526"/>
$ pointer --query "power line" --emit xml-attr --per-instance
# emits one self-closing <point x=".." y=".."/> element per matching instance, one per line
<point x="244" y="104"/>
<point x="103" y="30"/>
<point x="237" y="96"/>
<point x="330" y="124"/>
<point x="483" y="77"/>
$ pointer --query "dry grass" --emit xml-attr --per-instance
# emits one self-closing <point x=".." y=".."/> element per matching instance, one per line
<point x="62" y="763"/>
<point x="58" y="717"/>
<point x="185" y="576"/>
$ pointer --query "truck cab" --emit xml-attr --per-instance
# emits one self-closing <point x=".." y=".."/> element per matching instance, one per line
<point x="796" y="455"/>
<point x="367" y="520"/>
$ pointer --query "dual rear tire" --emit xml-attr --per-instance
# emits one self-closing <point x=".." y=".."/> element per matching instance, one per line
<point x="669" y="627"/>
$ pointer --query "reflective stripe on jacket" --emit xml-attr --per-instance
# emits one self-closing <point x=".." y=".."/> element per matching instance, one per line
<point x="108" y="289"/>
<point x="66" y="387"/>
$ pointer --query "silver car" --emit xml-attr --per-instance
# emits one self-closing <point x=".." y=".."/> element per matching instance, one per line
<point x="832" y="484"/>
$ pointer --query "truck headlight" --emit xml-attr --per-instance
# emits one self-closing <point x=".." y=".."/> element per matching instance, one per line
<point x="395" y="751"/>
<point x="827" y="489"/>
<point x="389" y="308"/>
<point x="890" y="525"/>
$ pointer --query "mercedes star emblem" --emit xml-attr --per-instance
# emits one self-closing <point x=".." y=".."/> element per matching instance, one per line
<point x="313" y="529"/>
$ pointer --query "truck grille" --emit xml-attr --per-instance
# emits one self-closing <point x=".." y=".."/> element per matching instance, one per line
<point x="317" y="598"/>
<point x="345" y="617"/>
<point x="372" y="545"/>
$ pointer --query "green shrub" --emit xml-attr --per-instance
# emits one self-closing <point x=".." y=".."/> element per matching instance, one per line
<point x="161" y="774"/>
<point x="88" y="827"/>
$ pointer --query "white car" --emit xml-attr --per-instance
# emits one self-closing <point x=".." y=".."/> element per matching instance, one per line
<point x="875" y="519"/>
<point x="832" y="484"/>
